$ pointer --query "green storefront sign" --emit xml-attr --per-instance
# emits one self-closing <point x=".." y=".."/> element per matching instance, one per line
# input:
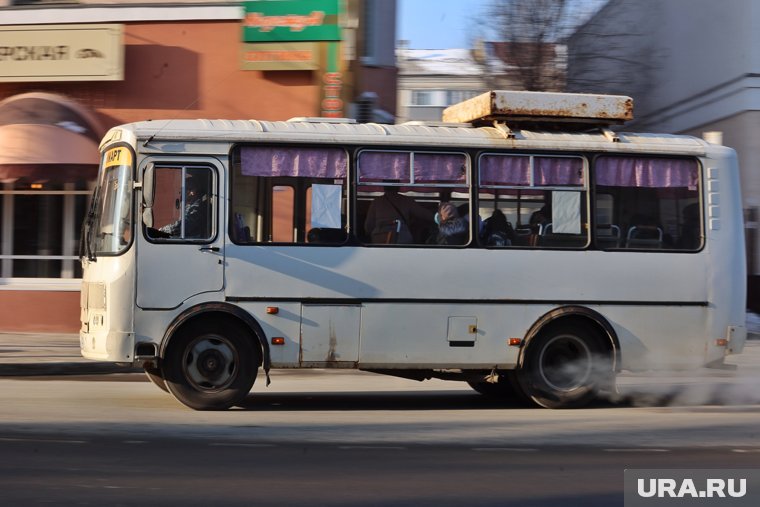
<point x="291" y="20"/>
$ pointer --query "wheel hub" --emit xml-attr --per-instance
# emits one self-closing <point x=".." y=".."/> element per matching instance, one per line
<point x="565" y="363"/>
<point x="211" y="363"/>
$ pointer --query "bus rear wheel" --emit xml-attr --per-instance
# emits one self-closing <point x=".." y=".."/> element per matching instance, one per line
<point x="211" y="366"/>
<point x="565" y="366"/>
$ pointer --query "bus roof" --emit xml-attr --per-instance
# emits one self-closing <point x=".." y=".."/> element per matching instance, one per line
<point x="433" y="134"/>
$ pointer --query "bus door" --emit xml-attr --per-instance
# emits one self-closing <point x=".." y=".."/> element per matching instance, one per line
<point x="181" y="250"/>
<point x="330" y="334"/>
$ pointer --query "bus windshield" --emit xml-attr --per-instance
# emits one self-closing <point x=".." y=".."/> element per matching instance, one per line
<point x="109" y="230"/>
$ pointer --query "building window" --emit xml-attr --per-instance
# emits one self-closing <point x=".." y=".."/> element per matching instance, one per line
<point x="369" y="48"/>
<point x="40" y="227"/>
<point x="456" y="96"/>
<point x="422" y="97"/>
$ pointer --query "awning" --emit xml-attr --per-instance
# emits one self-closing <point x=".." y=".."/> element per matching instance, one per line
<point x="43" y="135"/>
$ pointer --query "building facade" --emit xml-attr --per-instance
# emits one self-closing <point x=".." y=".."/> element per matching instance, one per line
<point x="70" y="71"/>
<point x="429" y="80"/>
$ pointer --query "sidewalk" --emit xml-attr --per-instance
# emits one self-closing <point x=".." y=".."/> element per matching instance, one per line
<point x="28" y="354"/>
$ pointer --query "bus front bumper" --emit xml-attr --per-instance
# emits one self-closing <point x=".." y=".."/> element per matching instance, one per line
<point x="114" y="346"/>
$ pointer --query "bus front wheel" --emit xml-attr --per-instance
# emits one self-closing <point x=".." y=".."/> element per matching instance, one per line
<point x="565" y="366"/>
<point x="211" y="365"/>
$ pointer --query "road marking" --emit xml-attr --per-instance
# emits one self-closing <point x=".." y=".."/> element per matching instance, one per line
<point x="636" y="450"/>
<point x="134" y="442"/>
<point x="43" y="441"/>
<point x="238" y="444"/>
<point x="503" y="449"/>
<point x="745" y="451"/>
<point x="371" y="447"/>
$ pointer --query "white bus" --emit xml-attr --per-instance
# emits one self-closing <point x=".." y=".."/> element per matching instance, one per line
<point x="216" y="249"/>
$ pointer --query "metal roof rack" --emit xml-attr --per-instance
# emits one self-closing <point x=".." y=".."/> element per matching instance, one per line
<point x="542" y="108"/>
<point x="320" y="119"/>
<point x="428" y="123"/>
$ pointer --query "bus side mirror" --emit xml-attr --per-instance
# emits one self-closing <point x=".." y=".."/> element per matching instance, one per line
<point x="148" y="195"/>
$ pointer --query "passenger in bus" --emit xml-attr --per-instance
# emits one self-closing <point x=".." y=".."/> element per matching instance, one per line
<point x="538" y="220"/>
<point x="541" y="217"/>
<point x="452" y="228"/>
<point x="497" y="231"/>
<point x="195" y="215"/>
<point x="396" y="218"/>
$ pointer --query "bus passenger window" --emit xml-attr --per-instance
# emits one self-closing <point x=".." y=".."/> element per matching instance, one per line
<point x="533" y="201"/>
<point x="648" y="203"/>
<point x="400" y="194"/>
<point x="289" y="195"/>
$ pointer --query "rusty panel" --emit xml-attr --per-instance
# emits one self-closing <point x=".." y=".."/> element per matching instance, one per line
<point x="542" y="106"/>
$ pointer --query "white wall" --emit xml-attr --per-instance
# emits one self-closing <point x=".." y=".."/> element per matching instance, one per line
<point x="685" y="62"/>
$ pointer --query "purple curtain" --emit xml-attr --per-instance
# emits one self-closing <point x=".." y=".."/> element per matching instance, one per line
<point x="504" y="170"/>
<point x="551" y="171"/>
<point x="440" y="168"/>
<point x="514" y="170"/>
<point x="646" y="172"/>
<point x="377" y="166"/>
<point x="285" y="161"/>
<point x="384" y="165"/>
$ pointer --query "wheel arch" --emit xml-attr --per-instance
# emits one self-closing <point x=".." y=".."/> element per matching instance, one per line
<point x="574" y="313"/>
<point x="213" y="311"/>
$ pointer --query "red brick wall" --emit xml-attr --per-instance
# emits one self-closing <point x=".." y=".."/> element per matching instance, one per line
<point x="187" y="70"/>
<point x="39" y="311"/>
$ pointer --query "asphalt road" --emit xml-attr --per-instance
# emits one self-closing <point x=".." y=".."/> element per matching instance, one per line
<point x="347" y="438"/>
<point x="116" y="471"/>
<point x="344" y="438"/>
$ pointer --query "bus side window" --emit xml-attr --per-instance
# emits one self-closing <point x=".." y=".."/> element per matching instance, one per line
<point x="399" y="193"/>
<point x="652" y="201"/>
<point x="182" y="208"/>
<point x="542" y="198"/>
<point x="289" y="195"/>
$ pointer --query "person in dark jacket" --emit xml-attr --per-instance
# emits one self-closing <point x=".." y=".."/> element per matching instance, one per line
<point x="452" y="229"/>
<point x="396" y="218"/>
<point x="497" y="231"/>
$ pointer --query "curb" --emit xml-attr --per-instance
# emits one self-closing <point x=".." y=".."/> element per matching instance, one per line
<point x="63" y="369"/>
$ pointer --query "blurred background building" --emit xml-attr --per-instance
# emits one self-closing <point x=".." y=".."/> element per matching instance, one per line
<point x="69" y="70"/>
<point x="430" y="80"/>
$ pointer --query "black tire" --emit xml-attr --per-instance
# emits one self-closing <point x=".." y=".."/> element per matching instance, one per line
<point x="565" y="366"/>
<point x="211" y="366"/>
<point x="156" y="377"/>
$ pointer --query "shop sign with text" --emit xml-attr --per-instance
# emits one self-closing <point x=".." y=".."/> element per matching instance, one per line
<point x="62" y="53"/>
<point x="287" y="56"/>
<point x="291" y="20"/>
